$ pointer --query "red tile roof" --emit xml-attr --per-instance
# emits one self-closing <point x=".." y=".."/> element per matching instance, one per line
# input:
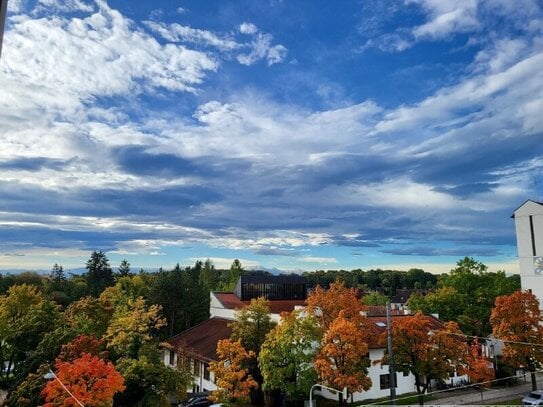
<point x="202" y="339"/>
<point x="231" y="301"/>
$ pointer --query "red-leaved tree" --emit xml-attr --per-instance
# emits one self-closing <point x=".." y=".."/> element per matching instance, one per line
<point x="90" y="379"/>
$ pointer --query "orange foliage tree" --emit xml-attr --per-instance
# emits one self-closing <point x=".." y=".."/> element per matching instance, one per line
<point x="426" y="352"/>
<point x="80" y="345"/>
<point x="231" y="373"/>
<point x="90" y="379"/>
<point x="478" y="367"/>
<point x="327" y="304"/>
<point x="517" y="318"/>
<point x="343" y="358"/>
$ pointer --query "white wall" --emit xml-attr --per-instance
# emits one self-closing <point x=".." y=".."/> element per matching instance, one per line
<point x="530" y="280"/>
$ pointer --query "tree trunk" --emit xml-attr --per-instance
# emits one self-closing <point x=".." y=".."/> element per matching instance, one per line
<point x="534" y="381"/>
<point x="420" y="390"/>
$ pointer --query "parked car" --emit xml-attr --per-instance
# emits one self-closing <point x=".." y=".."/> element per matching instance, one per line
<point x="534" y="398"/>
<point x="197" y="400"/>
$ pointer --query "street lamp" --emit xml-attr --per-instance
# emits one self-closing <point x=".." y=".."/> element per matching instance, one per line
<point x="327" y="388"/>
<point x="51" y="375"/>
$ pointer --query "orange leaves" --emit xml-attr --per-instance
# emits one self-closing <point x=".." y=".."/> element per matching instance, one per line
<point x="426" y="352"/>
<point x="479" y="368"/>
<point x="343" y="358"/>
<point x="327" y="304"/>
<point x="231" y="374"/>
<point x="90" y="379"/>
<point x="517" y="317"/>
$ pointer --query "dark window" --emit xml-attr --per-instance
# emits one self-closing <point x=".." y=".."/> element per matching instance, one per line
<point x="385" y="381"/>
<point x="206" y="371"/>
<point x="172" y="357"/>
<point x="405" y="374"/>
<point x="532" y="234"/>
<point x="196" y="368"/>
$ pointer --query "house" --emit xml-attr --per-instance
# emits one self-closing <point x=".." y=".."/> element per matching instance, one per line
<point x="285" y="294"/>
<point x="529" y="231"/>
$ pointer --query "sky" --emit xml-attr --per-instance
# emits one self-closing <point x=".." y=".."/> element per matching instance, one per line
<point x="292" y="135"/>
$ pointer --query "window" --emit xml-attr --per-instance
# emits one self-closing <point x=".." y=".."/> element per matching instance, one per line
<point x="385" y="381"/>
<point x="196" y="367"/>
<point x="206" y="371"/>
<point x="172" y="357"/>
<point x="405" y="374"/>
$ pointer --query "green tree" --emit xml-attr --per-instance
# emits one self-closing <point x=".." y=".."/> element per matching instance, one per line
<point x="25" y="317"/>
<point x="209" y="276"/>
<point x="375" y="298"/>
<point x="252" y="324"/>
<point x="99" y="273"/>
<point x="124" y="268"/>
<point x="286" y="356"/>
<point x="466" y="295"/>
<point x="148" y="381"/>
<point x="231" y="277"/>
<point x="250" y="328"/>
<point x="132" y="325"/>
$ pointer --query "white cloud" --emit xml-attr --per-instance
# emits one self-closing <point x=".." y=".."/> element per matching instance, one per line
<point x="248" y="28"/>
<point x="180" y="33"/>
<point x="447" y="17"/>
<point x="322" y="260"/>
<point x="276" y="54"/>
<point x="66" y="6"/>
<point x="262" y="48"/>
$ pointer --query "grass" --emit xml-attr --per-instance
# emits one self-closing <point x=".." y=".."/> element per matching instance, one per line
<point x="513" y="402"/>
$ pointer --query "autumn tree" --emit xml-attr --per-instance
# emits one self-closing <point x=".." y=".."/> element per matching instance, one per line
<point x="88" y="315"/>
<point x="251" y="326"/>
<point x="25" y="317"/>
<point x="231" y="373"/>
<point x="478" y="367"/>
<point x="286" y="356"/>
<point x="81" y="345"/>
<point x="343" y="359"/>
<point x="90" y="379"/>
<point x="326" y="304"/>
<point x="426" y="350"/>
<point x="516" y="319"/>
<point x="131" y="325"/>
<point x="99" y="273"/>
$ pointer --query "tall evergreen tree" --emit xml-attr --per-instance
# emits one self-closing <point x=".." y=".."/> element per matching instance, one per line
<point x="99" y="274"/>
<point x="124" y="268"/>
<point x="209" y="276"/>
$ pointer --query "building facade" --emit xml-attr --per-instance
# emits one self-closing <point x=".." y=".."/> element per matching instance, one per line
<point x="529" y="231"/>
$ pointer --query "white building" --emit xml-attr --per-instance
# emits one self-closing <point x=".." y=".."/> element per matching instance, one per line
<point x="201" y="340"/>
<point x="529" y="230"/>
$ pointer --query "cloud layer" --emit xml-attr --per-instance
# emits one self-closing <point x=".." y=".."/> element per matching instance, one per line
<point x="132" y="136"/>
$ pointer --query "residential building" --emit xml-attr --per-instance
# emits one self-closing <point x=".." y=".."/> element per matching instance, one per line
<point x="529" y="231"/>
<point x="284" y="295"/>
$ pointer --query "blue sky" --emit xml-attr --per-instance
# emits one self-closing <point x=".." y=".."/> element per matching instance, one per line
<point x="293" y="135"/>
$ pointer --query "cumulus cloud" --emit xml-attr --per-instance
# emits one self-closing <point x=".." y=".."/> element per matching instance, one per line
<point x="248" y="28"/>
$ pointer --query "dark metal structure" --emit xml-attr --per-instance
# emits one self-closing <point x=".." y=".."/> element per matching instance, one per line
<point x="282" y="287"/>
<point x="3" y="11"/>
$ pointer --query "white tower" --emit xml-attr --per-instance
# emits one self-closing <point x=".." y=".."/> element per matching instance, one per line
<point x="529" y="228"/>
